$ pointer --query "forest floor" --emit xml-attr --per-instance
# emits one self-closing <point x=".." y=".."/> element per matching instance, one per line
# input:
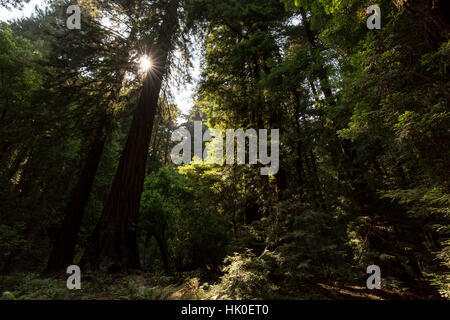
<point x="419" y="291"/>
<point x="144" y="286"/>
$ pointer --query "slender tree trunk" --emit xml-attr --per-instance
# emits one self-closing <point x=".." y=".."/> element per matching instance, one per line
<point x="63" y="251"/>
<point x="114" y="243"/>
<point x="64" y="248"/>
<point x="341" y="149"/>
<point x="15" y="165"/>
<point x="154" y="156"/>
<point x="299" y="161"/>
<point x="162" y="243"/>
<point x="316" y="178"/>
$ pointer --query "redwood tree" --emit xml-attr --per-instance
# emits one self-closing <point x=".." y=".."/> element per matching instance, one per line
<point x="64" y="247"/>
<point x="113" y="244"/>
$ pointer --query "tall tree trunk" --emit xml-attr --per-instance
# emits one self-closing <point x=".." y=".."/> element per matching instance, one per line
<point x="341" y="149"/>
<point x="114" y="243"/>
<point x="63" y="250"/>
<point x="162" y="243"/>
<point x="316" y="179"/>
<point x="299" y="161"/>
<point x="15" y="164"/>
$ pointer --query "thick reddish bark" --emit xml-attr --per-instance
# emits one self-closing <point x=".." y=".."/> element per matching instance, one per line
<point x="114" y="245"/>
<point x="63" y="250"/>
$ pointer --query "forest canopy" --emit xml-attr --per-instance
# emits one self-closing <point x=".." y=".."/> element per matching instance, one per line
<point x="87" y="123"/>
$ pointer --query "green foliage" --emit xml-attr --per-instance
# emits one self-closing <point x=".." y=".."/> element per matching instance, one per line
<point x="155" y="293"/>
<point x="177" y="210"/>
<point x="94" y="286"/>
<point x="309" y="243"/>
<point x="13" y="3"/>
<point x="365" y="148"/>
<point x="246" y="277"/>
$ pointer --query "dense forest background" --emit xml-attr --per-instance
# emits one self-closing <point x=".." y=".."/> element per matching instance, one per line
<point x="86" y="176"/>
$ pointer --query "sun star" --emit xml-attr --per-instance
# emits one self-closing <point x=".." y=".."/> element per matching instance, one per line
<point x="145" y="64"/>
